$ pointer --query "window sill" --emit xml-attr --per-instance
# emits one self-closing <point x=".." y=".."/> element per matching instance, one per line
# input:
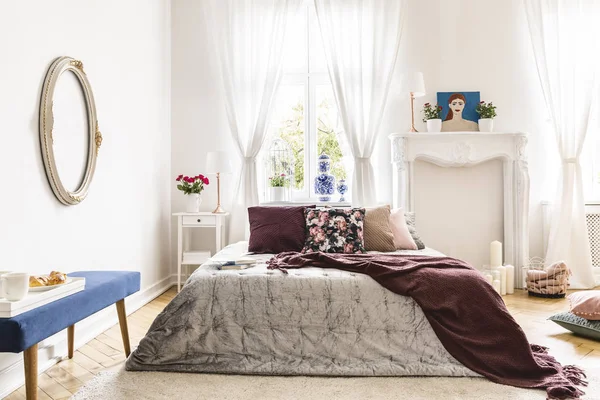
<point x="305" y="203"/>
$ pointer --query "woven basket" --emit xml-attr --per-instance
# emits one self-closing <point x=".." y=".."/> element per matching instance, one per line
<point x="539" y="284"/>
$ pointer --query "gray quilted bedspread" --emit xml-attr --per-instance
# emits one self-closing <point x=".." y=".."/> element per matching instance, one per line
<point x="310" y="322"/>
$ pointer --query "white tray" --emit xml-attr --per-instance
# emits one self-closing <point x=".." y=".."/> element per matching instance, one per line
<point x="33" y="300"/>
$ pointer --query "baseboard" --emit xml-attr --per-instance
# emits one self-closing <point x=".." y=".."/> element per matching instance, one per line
<point x="53" y="349"/>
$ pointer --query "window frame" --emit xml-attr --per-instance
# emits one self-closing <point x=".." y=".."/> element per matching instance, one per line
<point x="310" y="78"/>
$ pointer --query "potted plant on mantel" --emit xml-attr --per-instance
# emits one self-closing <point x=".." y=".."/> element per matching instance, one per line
<point x="192" y="187"/>
<point x="278" y="184"/>
<point x="431" y="116"/>
<point x="487" y="113"/>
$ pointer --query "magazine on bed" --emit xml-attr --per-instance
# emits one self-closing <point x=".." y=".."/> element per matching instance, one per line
<point x="240" y="263"/>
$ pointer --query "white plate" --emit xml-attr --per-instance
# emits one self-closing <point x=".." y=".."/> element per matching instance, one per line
<point x="45" y="288"/>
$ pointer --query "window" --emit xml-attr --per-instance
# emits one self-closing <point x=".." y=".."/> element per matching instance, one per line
<point x="305" y="114"/>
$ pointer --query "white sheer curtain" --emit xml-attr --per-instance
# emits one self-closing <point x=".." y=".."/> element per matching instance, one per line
<point x="566" y="36"/>
<point x="361" y="40"/>
<point x="248" y="36"/>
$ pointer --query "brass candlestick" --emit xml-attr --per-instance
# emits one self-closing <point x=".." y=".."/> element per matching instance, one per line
<point x="218" y="210"/>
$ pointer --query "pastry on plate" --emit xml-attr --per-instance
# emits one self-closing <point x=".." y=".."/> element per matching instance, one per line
<point x="57" y="278"/>
<point x="54" y="278"/>
<point x="37" y="281"/>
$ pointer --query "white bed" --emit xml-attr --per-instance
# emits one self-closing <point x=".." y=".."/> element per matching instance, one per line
<point x="312" y="321"/>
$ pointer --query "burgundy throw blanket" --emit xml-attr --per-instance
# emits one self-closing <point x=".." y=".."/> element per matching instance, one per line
<point x="466" y="313"/>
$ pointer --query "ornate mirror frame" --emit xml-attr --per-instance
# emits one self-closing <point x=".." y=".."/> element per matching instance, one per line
<point x="59" y="66"/>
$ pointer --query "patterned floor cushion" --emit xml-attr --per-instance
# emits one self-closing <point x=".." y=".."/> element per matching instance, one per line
<point x="578" y="325"/>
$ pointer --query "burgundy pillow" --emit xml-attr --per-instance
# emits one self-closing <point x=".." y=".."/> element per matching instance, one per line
<point x="276" y="229"/>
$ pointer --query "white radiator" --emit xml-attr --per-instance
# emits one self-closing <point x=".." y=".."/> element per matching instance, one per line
<point x="592" y="216"/>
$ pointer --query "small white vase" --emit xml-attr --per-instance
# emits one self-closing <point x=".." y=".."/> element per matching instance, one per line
<point x="486" y="125"/>
<point x="193" y="202"/>
<point x="434" y="125"/>
<point x="277" y="194"/>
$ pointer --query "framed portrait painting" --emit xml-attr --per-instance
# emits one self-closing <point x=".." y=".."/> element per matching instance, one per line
<point x="458" y="111"/>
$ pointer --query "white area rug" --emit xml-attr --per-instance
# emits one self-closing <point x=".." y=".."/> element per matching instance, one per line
<point x="121" y="385"/>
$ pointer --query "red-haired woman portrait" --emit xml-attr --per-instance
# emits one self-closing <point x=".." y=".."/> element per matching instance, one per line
<point x="454" y="120"/>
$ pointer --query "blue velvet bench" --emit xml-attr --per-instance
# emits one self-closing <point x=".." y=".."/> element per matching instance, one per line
<point x="23" y="332"/>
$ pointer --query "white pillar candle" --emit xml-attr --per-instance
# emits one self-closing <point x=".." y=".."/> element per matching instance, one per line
<point x="496" y="275"/>
<point x="502" y="271"/>
<point x="510" y="279"/>
<point x="495" y="254"/>
<point x="489" y="278"/>
<point x="496" y="284"/>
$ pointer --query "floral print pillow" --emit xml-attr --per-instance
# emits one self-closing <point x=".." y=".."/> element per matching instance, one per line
<point x="334" y="230"/>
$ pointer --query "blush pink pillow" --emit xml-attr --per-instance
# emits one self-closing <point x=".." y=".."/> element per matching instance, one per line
<point x="586" y="304"/>
<point x="402" y="237"/>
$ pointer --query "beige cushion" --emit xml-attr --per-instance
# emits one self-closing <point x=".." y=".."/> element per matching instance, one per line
<point x="378" y="234"/>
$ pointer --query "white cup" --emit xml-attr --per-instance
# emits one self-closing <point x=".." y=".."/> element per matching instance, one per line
<point x="14" y="285"/>
<point x="2" y="273"/>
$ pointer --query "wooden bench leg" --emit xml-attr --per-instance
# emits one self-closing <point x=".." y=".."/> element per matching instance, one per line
<point x="123" y="324"/>
<point x="71" y="339"/>
<point x="30" y="357"/>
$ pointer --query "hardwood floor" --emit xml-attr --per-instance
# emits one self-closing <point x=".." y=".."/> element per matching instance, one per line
<point x="106" y="350"/>
<point x="532" y="313"/>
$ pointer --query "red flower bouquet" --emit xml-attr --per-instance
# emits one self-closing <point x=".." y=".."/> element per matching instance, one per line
<point x="191" y="184"/>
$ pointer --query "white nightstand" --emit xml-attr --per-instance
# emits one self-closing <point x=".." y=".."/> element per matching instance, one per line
<point x="196" y="220"/>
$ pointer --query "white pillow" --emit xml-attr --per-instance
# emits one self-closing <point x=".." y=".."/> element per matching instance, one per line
<point x="402" y="238"/>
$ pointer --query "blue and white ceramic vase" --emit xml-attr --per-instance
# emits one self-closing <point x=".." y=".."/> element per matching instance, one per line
<point x="324" y="182"/>
<point x="342" y="188"/>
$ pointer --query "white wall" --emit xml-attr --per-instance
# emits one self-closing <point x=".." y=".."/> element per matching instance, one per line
<point x="481" y="46"/>
<point x="124" y="222"/>
<point x="199" y="123"/>
<point x="459" y="45"/>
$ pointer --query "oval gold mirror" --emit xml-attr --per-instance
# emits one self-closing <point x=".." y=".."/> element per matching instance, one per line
<point x="69" y="134"/>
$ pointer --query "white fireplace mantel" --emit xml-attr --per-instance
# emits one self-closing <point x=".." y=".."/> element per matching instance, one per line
<point x="466" y="149"/>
